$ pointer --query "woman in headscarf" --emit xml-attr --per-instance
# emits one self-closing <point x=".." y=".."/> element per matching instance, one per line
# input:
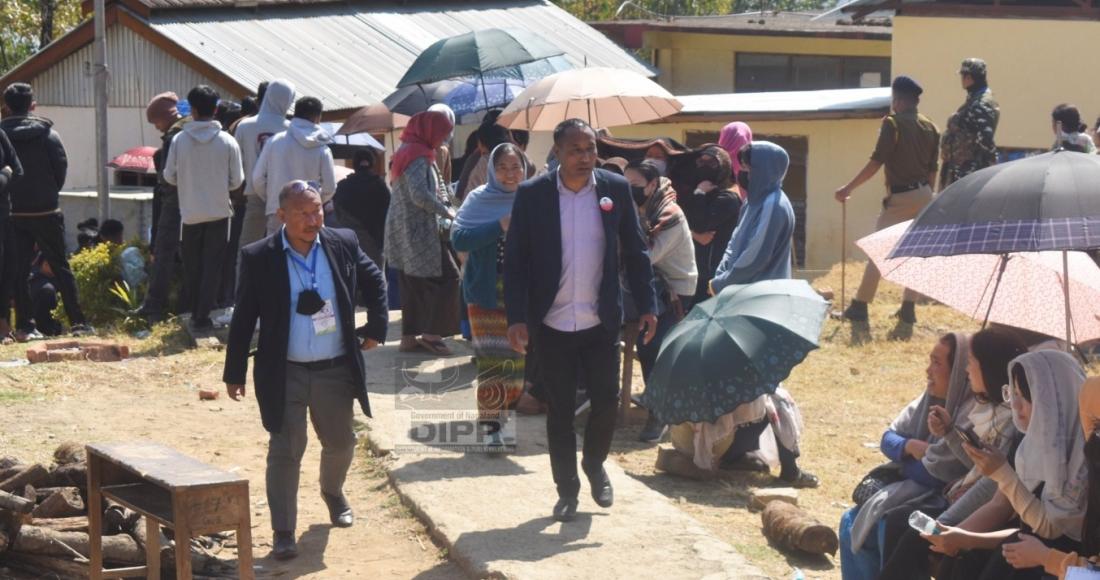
<point x="418" y="237"/>
<point x="1030" y="551"/>
<point x="733" y="137"/>
<point x="1045" y="493"/>
<point x="673" y="257"/>
<point x="443" y="154"/>
<point x="906" y="555"/>
<point x="760" y="248"/>
<point x="712" y="212"/>
<point x="479" y="229"/>
<point x="923" y="461"/>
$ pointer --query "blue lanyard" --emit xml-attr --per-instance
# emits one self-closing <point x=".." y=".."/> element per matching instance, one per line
<point x="311" y="267"/>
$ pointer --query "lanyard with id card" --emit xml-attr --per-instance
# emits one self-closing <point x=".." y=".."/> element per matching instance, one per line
<point x="310" y="304"/>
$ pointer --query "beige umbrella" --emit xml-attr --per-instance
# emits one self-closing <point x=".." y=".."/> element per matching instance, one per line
<point x="605" y="97"/>
<point x="374" y="119"/>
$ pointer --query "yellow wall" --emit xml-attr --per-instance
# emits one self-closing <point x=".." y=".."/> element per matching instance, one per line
<point x="1033" y="66"/>
<point x="837" y="150"/>
<point x="694" y="63"/>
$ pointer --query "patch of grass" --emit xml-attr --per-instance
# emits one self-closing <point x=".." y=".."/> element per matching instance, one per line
<point x="12" y="396"/>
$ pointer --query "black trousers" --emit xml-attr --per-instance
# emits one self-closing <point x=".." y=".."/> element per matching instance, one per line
<point x="44" y="297"/>
<point x="747" y="439"/>
<point x="991" y="564"/>
<point x="166" y="245"/>
<point x="565" y="359"/>
<point x="7" y="267"/>
<point x="204" y="248"/>
<point x="229" y="272"/>
<point x="48" y="233"/>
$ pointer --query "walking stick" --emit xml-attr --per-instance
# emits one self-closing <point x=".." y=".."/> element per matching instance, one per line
<point x="838" y="313"/>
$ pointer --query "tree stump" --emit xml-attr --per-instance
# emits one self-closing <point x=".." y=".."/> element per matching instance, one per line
<point x="791" y="528"/>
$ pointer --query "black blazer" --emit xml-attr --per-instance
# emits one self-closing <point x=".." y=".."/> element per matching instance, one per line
<point x="263" y="295"/>
<point x="532" y="254"/>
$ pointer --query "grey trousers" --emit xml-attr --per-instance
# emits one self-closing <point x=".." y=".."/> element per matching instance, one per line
<point x="255" y="220"/>
<point x="329" y="397"/>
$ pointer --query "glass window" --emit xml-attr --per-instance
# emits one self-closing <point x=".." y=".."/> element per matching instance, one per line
<point x="756" y="72"/>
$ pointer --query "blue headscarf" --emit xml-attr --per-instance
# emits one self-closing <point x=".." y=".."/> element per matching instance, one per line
<point x="490" y="202"/>
<point x="760" y="248"/>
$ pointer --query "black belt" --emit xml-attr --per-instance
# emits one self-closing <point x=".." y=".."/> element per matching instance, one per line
<point x="321" y="365"/>
<point x="907" y="187"/>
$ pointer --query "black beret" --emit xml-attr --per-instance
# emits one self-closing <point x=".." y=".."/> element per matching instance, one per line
<point x="906" y="85"/>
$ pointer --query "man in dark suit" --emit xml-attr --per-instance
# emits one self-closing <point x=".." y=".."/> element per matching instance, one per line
<point x="561" y="288"/>
<point x="301" y="285"/>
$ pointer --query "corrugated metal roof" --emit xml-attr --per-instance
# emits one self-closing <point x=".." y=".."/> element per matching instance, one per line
<point x="138" y="70"/>
<point x="350" y="57"/>
<point x="773" y="23"/>
<point x="833" y="101"/>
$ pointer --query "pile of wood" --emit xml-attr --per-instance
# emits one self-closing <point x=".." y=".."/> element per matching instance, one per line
<point x="44" y="523"/>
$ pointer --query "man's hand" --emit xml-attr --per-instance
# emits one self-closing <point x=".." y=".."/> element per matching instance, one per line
<point x="649" y="325"/>
<point x="704" y="239"/>
<point x="517" y="337"/>
<point x="235" y="392"/>
<point x="916" y="448"/>
<point x="843" y="194"/>
<point x="368" y="344"/>
<point x="939" y="421"/>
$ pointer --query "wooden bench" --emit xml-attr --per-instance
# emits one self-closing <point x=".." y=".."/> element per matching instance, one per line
<point x="171" y="490"/>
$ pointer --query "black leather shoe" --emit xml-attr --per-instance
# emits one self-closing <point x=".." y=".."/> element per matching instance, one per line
<point x="565" y="510"/>
<point x="601" y="489"/>
<point x="284" y="547"/>
<point x="339" y="512"/>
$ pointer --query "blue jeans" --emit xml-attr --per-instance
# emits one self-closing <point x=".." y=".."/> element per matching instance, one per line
<point x="867" y="562"/>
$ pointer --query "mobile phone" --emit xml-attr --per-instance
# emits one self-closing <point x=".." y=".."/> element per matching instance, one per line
<point x="970" y="436"/>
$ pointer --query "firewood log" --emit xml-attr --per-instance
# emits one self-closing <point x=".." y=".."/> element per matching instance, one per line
<point x="28" y="476"/>
<point x="15" y="503"/>
<point x="63" y="503"/>
<point x="40" y="541"/>
<point x="791" y="528"/>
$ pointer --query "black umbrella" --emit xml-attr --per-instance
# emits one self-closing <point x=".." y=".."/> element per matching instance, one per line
<point x="476" y="53"/>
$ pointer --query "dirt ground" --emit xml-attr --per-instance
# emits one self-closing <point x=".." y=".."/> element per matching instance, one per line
<point x="155" y="397"/>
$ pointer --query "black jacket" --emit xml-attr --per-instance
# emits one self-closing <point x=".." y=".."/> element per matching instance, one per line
<point x="44" y="164"/>
<point x="716" y="211"/>
<point x="263" y="295"/>
<point x="364" y="197"/>
<point x="8" y="158"/>
<point x="532" y="255"/>
<point x="164" y="189"/>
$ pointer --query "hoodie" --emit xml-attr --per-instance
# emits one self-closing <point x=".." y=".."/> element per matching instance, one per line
<point x="44" y="162"/>
<point x="164" y="189"/>
<point x="300" y="152"/>
<point x="251" y="133"/>
<point x="760" y="248"/>
<point x="204" y="164"/>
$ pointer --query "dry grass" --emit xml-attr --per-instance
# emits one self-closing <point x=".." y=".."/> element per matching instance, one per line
<point x="848" y="391"/>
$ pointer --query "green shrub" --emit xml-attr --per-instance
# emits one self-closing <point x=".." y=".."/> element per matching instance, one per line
<point x="97" y="274"/>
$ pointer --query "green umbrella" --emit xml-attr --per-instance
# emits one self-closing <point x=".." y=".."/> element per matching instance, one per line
<point x="733" y="348"/>
<point x="475" y="53"/>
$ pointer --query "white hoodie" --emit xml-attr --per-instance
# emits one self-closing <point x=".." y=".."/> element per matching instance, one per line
<point x="300" y="152"/>
<point x="204" y="163"/>
<point x="253" y="132"/>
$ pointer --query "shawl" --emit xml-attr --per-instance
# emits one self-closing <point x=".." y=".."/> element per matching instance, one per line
<point x="660" y="210"/>
<point x="490" y="202"/>
<point x="421" y="137"/>
<point x="733" y="137"/>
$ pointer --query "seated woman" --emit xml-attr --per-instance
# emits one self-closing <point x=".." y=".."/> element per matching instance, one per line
<point x="922" y="459"/>
<point x="1044" y="494"/>
<point x="905" y="554"/>
<point x="479" y="229"/>
<point x="1031" y="551"/>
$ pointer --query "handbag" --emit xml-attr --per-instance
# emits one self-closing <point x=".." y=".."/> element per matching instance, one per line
<point x="875" y="480"/>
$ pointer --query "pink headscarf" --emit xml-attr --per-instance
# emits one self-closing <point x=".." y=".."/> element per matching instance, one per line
<point x="424" y="134"/>
<point x="732" y="138"/>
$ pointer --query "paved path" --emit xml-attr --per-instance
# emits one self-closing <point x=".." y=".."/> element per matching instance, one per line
<point x="492" y="511"/>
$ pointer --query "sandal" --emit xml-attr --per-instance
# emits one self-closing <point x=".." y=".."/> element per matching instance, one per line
<point x="413" y="346"/>
<point x="434" y="347"/>
<point x="804" y="480"/>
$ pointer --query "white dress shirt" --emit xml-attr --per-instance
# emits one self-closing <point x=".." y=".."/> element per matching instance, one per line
<point x="576" y="305"/>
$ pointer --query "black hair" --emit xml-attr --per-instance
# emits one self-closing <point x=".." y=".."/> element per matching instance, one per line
<point x="227" y="113"/>
<point x="110" y="229"/>
<point x="19" y="97"/>
<point x="492" y="135"/>
<point x="521" y="137"/>
<point x="995" y="348"/>
<point x="249" y="106"/>
<point x="1019" y="378"/>
<point x="361" y="156"/>
<point x="1090" y="528"/>
<point x="503" y="149"/>
<point x="204" y="101"/>
<point x="471" y="143"/>
<point x="491" y="116"/>
<point x="952" y="347"/>
<point x="569" y="125"/>
<point x="1069" y="116"/>
<point x="308" y="108"/>
<point x="261" y="91"/>
<point x="648" y="170"/>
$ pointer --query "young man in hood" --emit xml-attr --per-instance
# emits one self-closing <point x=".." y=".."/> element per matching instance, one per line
<point x="36" y="217"/>
<point x="204" y="163"/>
<point x="252" y="134"/>
<point x="301" y="152"/>
<point x="162" y="114"/>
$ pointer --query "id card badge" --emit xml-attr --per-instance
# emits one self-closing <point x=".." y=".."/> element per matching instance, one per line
<point x="324" y="321"/>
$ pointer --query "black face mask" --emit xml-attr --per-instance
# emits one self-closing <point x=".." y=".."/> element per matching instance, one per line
<point x="638" y="193"/>
<point x="743" y="180"/>
<point x="706" y="173"/>
<point x="309" y="303"/>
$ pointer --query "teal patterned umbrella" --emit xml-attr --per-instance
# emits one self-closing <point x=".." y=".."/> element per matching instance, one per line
<point x="733" y="348"/>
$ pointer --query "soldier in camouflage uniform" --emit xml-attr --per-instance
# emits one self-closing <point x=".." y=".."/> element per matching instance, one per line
<point x="967" y="144"/>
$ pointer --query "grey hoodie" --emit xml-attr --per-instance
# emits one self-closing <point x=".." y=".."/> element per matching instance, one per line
<point x="204" y="163"/>
<point x="253" y="132"/>
<point x="300" y="152"/>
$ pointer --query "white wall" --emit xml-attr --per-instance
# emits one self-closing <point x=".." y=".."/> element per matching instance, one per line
<point x="126" y="128"/>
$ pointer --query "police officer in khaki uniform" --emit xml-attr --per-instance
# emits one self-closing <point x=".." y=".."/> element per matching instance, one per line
<point x="908" y="146"/>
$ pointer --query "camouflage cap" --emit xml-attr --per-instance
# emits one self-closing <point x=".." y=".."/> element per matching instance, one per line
<point x="974" y="67"/>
